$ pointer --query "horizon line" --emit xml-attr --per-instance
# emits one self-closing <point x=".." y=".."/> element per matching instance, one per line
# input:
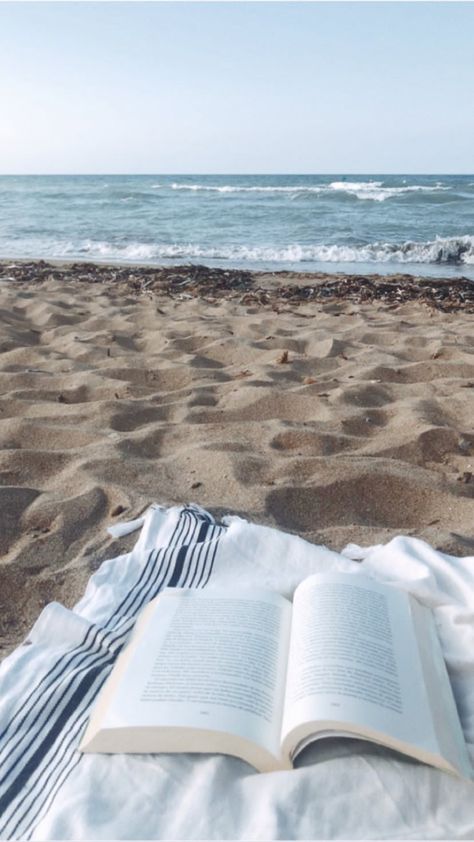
<point x="233" y="174"/>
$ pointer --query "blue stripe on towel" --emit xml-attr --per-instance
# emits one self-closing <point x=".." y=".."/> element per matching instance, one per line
<point x="49" y="738"/>
<point x="38" y="745"/>
<point x="178" y="568"/>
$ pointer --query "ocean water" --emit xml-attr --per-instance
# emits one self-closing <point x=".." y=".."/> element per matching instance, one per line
<point x="365" y="223"/>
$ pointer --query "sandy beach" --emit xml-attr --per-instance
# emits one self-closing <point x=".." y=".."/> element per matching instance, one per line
<point x="343" y="416"/>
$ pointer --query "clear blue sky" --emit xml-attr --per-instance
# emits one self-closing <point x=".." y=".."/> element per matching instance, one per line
<point x="169" y="87"/>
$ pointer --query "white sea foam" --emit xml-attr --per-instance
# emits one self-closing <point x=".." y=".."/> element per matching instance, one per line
<point x="132" y="251"/>
<point x="372" y="190"/>
<point x="442" y="251"/>
<point x="233" y="188"/>
<point x="375" y="191"/>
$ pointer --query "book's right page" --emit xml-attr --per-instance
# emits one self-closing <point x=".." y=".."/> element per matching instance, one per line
<point x="442" y="703"/>
<point x="355" y="666"/>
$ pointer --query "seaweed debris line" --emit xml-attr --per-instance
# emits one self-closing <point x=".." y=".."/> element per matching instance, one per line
<point x="196" y="281"/>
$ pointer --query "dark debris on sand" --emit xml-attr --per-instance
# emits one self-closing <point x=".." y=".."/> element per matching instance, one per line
<point x="445" y="294"/>
<point x="194" y="281"/>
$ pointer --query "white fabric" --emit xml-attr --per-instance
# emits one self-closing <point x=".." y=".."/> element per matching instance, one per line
<point x="342" y="789"/>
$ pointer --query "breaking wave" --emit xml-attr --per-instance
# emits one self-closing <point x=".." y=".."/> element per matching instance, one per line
<point x="447" y="251"/>
<point x="371" y="190"/>
<point x="231" y="188"/>
<point x="375" y="190"/>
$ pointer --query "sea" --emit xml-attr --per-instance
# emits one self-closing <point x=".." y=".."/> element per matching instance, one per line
<point x="419" y="224"/>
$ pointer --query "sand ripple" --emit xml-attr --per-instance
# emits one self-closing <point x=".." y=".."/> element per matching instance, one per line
<point x="342" y="422"/>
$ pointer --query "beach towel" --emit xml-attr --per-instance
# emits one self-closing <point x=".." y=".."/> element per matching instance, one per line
<point x="341" y="789"/>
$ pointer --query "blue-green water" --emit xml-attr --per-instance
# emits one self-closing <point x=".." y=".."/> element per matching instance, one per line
<point x="377" y="223"/>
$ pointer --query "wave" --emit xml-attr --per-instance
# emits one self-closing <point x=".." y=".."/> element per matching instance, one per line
<point x="442" y="251"/>
<point x="375" y="190"/>
<point x="231" y="188"/>
<point x="365" y="190"/>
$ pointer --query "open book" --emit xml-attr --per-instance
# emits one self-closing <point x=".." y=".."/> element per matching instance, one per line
<point x="253" y="675"/>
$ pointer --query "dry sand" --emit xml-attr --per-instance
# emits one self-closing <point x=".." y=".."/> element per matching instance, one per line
<point x="339" y="421"/>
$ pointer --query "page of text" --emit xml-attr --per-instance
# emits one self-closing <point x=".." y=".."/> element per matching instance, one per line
<point x="354" y="659"/>
<point x="209" y="660"/>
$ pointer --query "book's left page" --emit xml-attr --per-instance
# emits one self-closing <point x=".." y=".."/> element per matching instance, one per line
<point x="205" y="671"/>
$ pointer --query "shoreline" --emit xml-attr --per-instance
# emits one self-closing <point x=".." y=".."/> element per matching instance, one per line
<point x="340" y="409"/>
<point x="451" y="270"/>
<point x="310" y="273"/>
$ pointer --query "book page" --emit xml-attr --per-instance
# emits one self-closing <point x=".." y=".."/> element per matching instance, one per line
<point x="443" y="705"/>
<point x="207" y="660"/>
<point x="354" y="661"/>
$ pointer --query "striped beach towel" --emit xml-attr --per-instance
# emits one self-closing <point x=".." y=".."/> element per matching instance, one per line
<point x="48" y="790"/>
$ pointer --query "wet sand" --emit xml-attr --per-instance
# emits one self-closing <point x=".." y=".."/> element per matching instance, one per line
<point x="341" y="414"/>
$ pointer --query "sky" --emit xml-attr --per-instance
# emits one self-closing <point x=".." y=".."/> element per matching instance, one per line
<point x="236" y="87"/>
